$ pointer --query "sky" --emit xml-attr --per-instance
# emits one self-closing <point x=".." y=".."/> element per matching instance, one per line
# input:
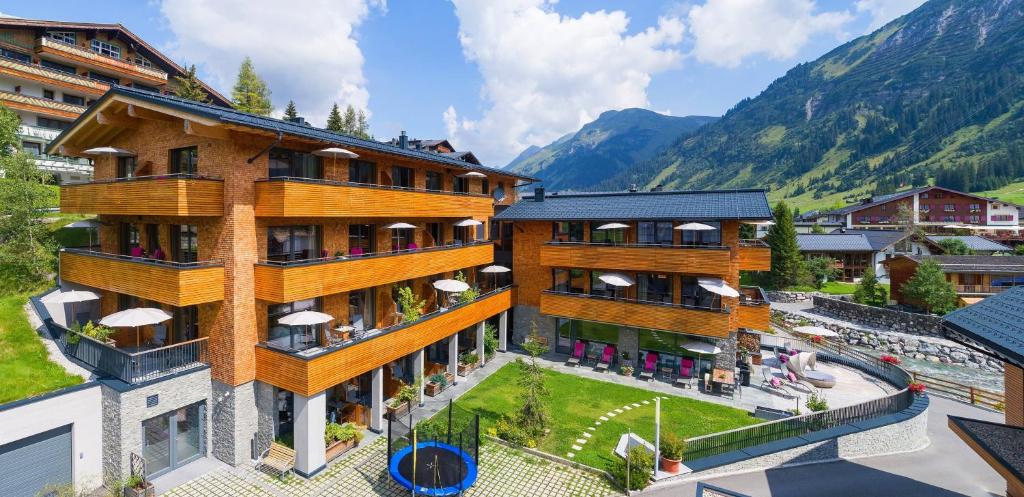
<point x="492" y="76"/>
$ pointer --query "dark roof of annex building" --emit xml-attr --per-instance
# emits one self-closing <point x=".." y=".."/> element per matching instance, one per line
<point x="972" y="263"/>
<point x="881" y="199"/>
<point x="973" y="242"/>
<point x="232" y="116"/>
<point x="877" y="239"/>
<point x="993" y="324"/>
<point x="663" y="205"/>
<point x="833" y="242"/>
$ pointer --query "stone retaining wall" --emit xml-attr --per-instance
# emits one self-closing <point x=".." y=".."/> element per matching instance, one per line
<point x="789" y="297"/>
<point x="877" y="317"/>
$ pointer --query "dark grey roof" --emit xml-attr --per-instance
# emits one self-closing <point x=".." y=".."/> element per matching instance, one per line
<point x="994" y="324"/>
<point x="878" y="239"/>
<point x="833" y="242"/>
<point x="973" y="242"/>
<point x="975" y="263"/>
<point x="621" y="206"/>
<point x="232" y="116"/>
<point x="879" y="199"/>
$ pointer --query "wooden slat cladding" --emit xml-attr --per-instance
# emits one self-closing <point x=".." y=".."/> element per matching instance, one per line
<point x="165" y="284"/>
<point x="754" y="258"/>
<point x="677" y="319"/>
<point x="288" y="284"/>
<point x="649" y="259"/>
<point x="298" y="199"/>
<point x="310" y="376"/>
<point x="753" y="317"/>
<point x="148" y="197"/>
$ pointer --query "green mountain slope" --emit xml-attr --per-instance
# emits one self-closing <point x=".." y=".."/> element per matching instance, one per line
<point x="603" y="148"/>
<point x="935" y="95"/>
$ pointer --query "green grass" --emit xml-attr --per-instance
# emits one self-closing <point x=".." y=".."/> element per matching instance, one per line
<point x="576" y="402"/>
<point x="833" y="288"/>
<point x="25" y="369"/>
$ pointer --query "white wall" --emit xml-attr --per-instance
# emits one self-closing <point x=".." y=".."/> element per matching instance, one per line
<point x="1000" y="209"/>
<point x="81" y="408"/>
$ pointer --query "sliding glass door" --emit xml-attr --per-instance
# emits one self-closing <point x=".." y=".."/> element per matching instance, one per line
<point x="173" y="439"/>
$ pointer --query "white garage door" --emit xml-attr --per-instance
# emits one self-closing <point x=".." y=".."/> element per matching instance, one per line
<point x="31" y="464"/>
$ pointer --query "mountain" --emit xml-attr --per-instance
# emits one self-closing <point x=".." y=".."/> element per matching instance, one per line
<point x="604" y="147"/>
<point x="936" y="95"/>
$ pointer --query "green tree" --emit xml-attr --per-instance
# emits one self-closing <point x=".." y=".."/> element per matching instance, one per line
<point x="334" y="122"/>
<point x="748" y="231"/>
<point x="350" y="122"/>
<point x="929" y="287"/>
<point x="533" y="413"/>
<point x="26" y="245"/>
<point x="290" y="112"/>
<point x="189" y="87"/>
<point x="251" y="93"/>
<point x="817" y="229"/>
<point x="781" y="238"/>
<point x="362" y="126"/>
<point x="1019" y="249"/>
<point x="869" y="291"/>
<point x="819" y="270"/>
<point x="955" y="246"/>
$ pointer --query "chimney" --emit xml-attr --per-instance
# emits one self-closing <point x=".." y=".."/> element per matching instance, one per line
<point x="297" y="120"/>
<point x="403" y="140"/>
<point x="658" y="188"/>
<point x="633" y="188"/>
<point x="538" y="194"/>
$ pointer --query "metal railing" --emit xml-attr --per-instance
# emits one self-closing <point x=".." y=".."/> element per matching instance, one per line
<point x="980" y="288"/>
<point x="130" y="367"/>
<point x="151" y="178"/>
<point x="331" y="182"/>
<point x="753" y="242"/>
<point x="144" y="260"/>
<point x="709" y="246"/>
<point x="722" y="309"/>
<point x="371" y="255"/>
<point x="960" y="392"/>
<point x="753" y="295"/>
<point x="741" y="438"/>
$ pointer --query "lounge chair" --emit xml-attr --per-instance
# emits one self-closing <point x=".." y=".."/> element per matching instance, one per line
<point x="577" y="354"/>
<point x="606" y="358"/>
<point x="685" y="378"/>
<point x="650" y="361"/>
<point x="773" y="383"/>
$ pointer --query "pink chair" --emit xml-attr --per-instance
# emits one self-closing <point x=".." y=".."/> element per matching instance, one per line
<point x="650" y="361"/>
<point x="412" y="246"/>
<point x="685" y="373"/>
<point x="606" y="357"/>
<point x="356" y="251"/>
<point x="577" y="353"/>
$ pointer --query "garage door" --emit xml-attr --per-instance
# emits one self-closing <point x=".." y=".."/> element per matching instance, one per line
<point x="28" y="465"/>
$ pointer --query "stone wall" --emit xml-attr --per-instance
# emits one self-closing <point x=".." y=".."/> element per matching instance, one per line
<point x="522" y="320"/>
<point x="235" y="421"/>
<point x="789" y="297"/>
<point x="877" y="317"/>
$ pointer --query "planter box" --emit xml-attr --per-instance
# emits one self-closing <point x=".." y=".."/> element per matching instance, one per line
<point x="432" y="389"/>
<point x="147" y="490"/>
<point x="338" y="448"/>
<point x="465" y="369"/>
<point x="403" y="409"/>
<point x="756" y="359"/>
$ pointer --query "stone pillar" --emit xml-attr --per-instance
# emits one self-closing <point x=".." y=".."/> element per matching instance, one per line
<point x="453" y="357"/>
<point x="480" y="343"/>
<point x="525" y="316"/>
<point x="235" y="421"/>
<point x="726" y="359"/>
<point x="503" y="331"/>
<point x="377" y="400"/>
<point x="266" y="411"/>
<point x="628" y="343"/>
<point x="310" y="422"/>
<point x="419" y="359"/>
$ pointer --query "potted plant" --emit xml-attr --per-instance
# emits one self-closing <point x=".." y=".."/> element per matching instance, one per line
<point x="625" y="360"/>
<point x="890" y="359"/>
<point x="468" y="362"/>
<point x="672" y="449"/>
<point x="97" y="332"/>
<point x="436" y="384"/>
<point x="339" y="438"/>
<point x="410" y="304"/>
<point x="137" y="486"/>
<point x="401" y="403"/>
<point x="339" y="254"/>
<point x="626" y="370"/>
<point x="917" y="387"/>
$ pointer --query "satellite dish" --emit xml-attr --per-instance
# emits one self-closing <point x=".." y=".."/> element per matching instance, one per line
<point x="498" y="194"/>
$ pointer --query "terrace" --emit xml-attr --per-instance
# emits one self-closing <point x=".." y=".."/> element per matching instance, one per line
<point x="174" y="283"/>
<point x="163" y="195"/>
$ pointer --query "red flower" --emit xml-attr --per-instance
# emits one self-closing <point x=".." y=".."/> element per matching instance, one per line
<point x="891" y="359"/>
<point x="816" y="339"/>
<point x="916" y="387"/>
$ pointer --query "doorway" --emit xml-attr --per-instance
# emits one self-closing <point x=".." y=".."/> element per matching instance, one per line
<point x="174" y="439"/>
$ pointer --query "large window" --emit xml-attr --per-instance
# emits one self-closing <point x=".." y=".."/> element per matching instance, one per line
<point x="434" y="235"/>
<point x="401" y="238"/>
<point x="671" y="352"/>
<point x="705" y="237"/>
<point x="292" y="337"/>
<point x="126" y="167"/>
<point x="73" y="99"/>
<point x="130" y="240"/>
<point x="654" y="287"/>
<point x="599" y="287"/>
<point x="362" y="172"/>
<point x="695" y="296"/>
<point x="655" y="233"/>
<point x="362" y="239"/>
<point x="57" y="66"/>
<point x="186" y="323"/>
<point x="435" y="181"/>
<point x="568" y="280"/>
<point x="290" y="163"/>
<point x="185" y="160"/>
<point x="62" y="36"/>
<point x="460" y="184"/>
<point x="404" y="177"/>
<point x="103" y="78"/>
<point x="563" y="231"/>
<point x="293" y="243"/>
<point x="610" y="236"/>
<point x="107" y="49"/>
<point x="32" y="148"/>
<point x="45" y="122"/>
<point x="10" y="54"/>
<point x="360" y="309"/>
<point x="186" y="242"/>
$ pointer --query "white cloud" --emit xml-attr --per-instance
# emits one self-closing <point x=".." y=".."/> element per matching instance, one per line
<point x="726" y="32"/>
<point x="546" y="74"/>
<point x="883" y="11"/>
<point x="306" y="50"/>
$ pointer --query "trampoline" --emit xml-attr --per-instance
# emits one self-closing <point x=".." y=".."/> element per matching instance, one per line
<point x="440" y="469"/>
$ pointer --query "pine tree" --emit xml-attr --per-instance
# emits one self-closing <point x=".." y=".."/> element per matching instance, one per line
<point x="362" y="126"/>
<point x="250" y="93"/>
<point x="189" y="87"/>
<point x="334" y="122"/>
<point x="290" y="112"/>
<point x="929" y="287"/>
<point x="781" y="238"/>
<point x="350" y="122"/>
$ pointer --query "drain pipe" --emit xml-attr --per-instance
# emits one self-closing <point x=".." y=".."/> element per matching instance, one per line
<point x="273" y="144"/>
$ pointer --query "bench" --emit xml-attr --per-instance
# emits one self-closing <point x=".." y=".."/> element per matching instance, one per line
<point x="278" y="460"/>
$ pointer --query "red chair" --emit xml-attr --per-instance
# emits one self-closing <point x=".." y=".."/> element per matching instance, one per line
<point x="356" y="251"/>
<point x="606" y="357"/>
<point x="650" y="361"/>
<point x="685" y="373"/>
<point x="577" y="353"/>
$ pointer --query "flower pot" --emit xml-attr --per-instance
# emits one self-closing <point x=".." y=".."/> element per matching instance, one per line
<point x="147" y="490"/>
<point x="671" y="466"/>
<point x="338" y="448"/>
<point x="432" y="389"/>
<point x="395" y="412"/>
<point x="465" y="369"/>
<point x="450" y="377"/>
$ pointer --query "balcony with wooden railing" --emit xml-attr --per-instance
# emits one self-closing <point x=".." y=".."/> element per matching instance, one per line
<point x="302" y="197"/>
<point x="45" y="106"/>
<point x="316" y="369"/>
<point x="979" y="289"/>
<point x="694" y="320"/>
<point x="754" y="311"/>
<point x="175" y="283"/>
<point x="164" y="195"/>
<point x="755" y="255"/>
<point x="288" y="281"/>
<point x="660" y="258"/>
<point x="88" y="57"/>
<point x="36" y="72"/>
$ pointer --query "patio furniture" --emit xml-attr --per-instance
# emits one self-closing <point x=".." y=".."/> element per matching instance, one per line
<point x="577" y="354"/>
<point x="773" y="383"/>
<point x="685" y="378"/>
<point x="724" y="380"/>
<point x="818" y="379"/>
<point x="650" y="360"/>
<point x="278" y="460"/>
<point x="606" y="358"/>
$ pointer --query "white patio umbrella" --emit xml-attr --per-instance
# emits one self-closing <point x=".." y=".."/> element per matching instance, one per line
<point x="617" y="279"/>
<point x="119" y="152"/>
<point x="473" y="174"/>
<point x="305" y="318"/>
<point x="335" y="153"/>
<point x="955" y="227"/>
<point x="134" y="318"/>
<point x="70" y="297"/>
<point x="815" y="330"/>
<point x="88" y="224"/>
<point x="495" y="269"/>
<point x="701" y="348"/>
<point x="612" y="226"/>
<point x="465" y="223"/>
<point x="450" y="286"/>
<point x="398" y="226"/>
<point x="759" y="223"/>
<point x="694" y="227"/>
<point x="717" y="286"/>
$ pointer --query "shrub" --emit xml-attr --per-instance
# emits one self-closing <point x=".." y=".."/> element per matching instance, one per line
<point x="816" y="402"/>
<point x="335" y="432"/>
<point x="439" y="379"/>
<point x="640" y="469"/>
<point x="470" y="294"/>
<point x="626" y="370"/>
<point x="511" y="432"/>
<point x="490" y="340"/>
<point x="672" y="446"/>
<point x="469" y="358"/>
<point x="410" y="305"/>
<point x="97" y="332"/>
<point x="869" y="291"/>
<point x="890" y="359"/>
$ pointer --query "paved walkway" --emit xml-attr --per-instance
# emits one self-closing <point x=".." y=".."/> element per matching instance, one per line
<point x="946" y="468"/>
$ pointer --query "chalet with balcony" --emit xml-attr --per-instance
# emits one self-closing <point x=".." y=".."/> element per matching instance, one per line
<point x="933" y="208"/>
<point x="974" y="276"/>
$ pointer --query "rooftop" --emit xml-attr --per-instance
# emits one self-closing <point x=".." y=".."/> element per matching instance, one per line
<point x="653" y="206"/>
<point x="974" y="263"/>
<point x="881" y="199"/>
<point x="834" y="242"/>
<point x="878" y="239"/>
<point x="1003" y="443"/>
<point x="993" y="323"/>
<point x="973" y="242"/>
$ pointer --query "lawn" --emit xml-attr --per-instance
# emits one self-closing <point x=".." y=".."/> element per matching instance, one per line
<point x="24" y="366"/>
<point x="834" y="288"/>
<point x="575" y="403"/>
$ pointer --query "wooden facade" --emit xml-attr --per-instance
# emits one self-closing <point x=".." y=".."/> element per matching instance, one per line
<point x="290" y="283"/>
<point x="305" y="199"/>
<point x="755" y="257"/>
<point x="694" y="260"/>
<point x="753" y="316"/>
<point x="145" y="197"/>
<point x="625" y="313"/>
<point x="177" y="286"/>
<point x="307" y="376"/>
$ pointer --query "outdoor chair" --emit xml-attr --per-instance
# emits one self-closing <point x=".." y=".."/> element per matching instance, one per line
<point x="650" y="361"/>
<point x="577" y="354"/>
<point x="772" y="383"/>
<point x="278" y="460"/>
<point x="685" y="378"/>
<point x="606" y="358"/>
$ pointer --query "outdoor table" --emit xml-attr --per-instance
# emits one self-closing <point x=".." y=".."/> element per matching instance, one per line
<point x="667" y="372"/>
<point x="721" y="378"/>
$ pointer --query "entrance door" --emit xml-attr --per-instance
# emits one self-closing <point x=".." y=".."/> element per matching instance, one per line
<point x="172" y="440"/>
